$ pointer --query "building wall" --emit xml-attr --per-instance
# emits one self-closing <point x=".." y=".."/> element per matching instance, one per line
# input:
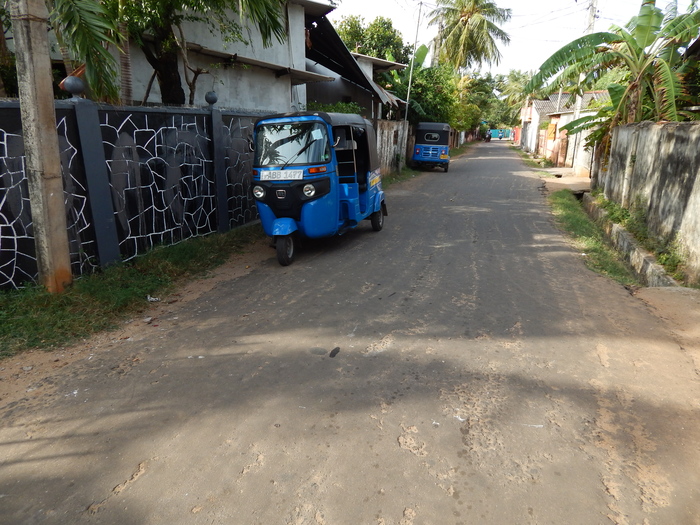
<point x="297" y="51"/>
<point x="530" y="137"/>
<point x="237" y="85"/>
<point x="339" y="90"/>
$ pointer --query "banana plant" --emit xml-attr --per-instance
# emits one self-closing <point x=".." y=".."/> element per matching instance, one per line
<point x="650" y="48"/>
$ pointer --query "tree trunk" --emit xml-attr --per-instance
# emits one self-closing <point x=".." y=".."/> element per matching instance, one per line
<point x="5" y="60"/>
<point x="126" y="94"/>
<point x="163" y="57"/>
<point x="191" y="82"/>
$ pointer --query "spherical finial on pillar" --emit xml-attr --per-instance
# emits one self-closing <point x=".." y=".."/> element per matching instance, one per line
<point x="74" y="85"/>
<point x="211" y="97"/>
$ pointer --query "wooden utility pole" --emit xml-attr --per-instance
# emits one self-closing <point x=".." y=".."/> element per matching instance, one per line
<point x="43" y="161"/>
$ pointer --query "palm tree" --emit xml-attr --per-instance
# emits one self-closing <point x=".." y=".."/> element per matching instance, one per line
<point x="469" y="32"/>
<point x="512" y="88"/>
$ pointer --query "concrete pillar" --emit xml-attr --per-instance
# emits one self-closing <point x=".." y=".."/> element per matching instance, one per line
<point x="43" y="163"/>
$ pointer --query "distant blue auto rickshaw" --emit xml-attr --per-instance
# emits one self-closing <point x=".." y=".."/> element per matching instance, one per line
<point x="315" y="175"/>
<point x="432" y="147"/>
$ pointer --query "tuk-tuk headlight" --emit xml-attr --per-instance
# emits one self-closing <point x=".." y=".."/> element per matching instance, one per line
<point x="258" y="192"/>
<point x="309" y="190"/>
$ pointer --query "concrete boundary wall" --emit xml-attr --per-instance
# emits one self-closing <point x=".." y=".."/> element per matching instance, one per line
<point x="392" y="137"/>
<point x="139" y="177"/>
<point x="643" y="263"/>
<point x="657" y="166"/>
<point x="133" y="178"/>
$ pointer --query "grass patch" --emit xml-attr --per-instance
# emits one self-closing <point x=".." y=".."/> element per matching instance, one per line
<point x="589" y="239"/>
<point x="536" y="164"/>
<point x="455" y="152"/>
<point x="406" y="173"/>
<point x="33" y="318"/>
<point x="668" y="253"/>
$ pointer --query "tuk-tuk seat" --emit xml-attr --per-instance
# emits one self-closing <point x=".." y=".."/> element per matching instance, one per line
<point x="346" y="145"/>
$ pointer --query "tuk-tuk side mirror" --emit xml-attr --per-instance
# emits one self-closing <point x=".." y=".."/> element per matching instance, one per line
<point x="250" y="145"/>
<point x="337" y="141"/>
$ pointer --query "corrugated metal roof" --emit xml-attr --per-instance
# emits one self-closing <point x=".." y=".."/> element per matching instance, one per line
<point x="557" y="103"/>
<point x="329" y="50"/>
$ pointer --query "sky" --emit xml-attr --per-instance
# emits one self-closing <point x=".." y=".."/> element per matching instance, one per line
<point x="537" y="28"/>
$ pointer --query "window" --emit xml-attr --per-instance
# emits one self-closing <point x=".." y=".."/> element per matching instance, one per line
<point x="295" y="143"/>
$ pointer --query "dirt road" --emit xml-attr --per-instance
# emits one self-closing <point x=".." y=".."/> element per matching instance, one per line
<point x="459" y="367"/>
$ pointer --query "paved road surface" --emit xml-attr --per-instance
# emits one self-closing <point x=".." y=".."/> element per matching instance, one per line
<point x="459" y="367"/>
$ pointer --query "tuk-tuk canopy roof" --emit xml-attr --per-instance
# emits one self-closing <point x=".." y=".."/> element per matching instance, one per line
<point x="432" y="126"/>
<point x="334" y="119"/>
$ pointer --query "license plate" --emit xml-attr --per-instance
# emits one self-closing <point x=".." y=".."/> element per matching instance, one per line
<point x="443" y="157"/>
<point x="282" y="175"/>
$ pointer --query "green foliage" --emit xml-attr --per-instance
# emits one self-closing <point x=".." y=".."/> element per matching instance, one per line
<point x="351" y="30"/>
<point x="616" y="213"/>
<point x="588" y="238"/>
<point x="34" y="318"/>
<point x="616" y="75"/>
<point x="338" y="107"/>
<point x="433" y="95"/>
<point x="485" y="94"/>
<point x="466" y="116"/>
<point x="151" y="15"/>
<point x="85" y="29"/>
<point x="378" y="39"/>
<point x="646" y="55"/>
<point x="433" y="90"/>
<point x="668" y="252"/>
<point x="512" y="89"/>
<point x="8" y="75"/>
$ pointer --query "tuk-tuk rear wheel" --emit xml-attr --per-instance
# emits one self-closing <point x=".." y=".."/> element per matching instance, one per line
<point x="285" y="249"/>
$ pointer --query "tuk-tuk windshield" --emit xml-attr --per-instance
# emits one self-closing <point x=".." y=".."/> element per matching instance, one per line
<point x="292" y="144"/>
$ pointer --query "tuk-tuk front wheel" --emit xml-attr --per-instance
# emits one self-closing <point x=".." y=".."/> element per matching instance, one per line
<point x="377" y="220"/>
<point x="286" y="247"/>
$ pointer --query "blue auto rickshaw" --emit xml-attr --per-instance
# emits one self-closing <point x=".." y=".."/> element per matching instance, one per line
<point x="315" y="175"/>
<point x="432" y="147"/>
